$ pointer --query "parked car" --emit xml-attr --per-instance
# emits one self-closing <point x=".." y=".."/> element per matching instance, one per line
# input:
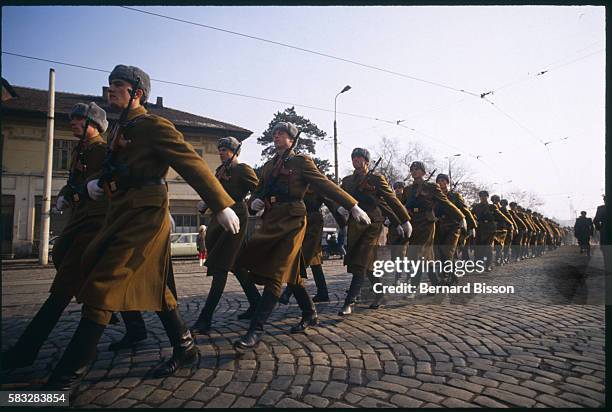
<point x="183" y="245"/>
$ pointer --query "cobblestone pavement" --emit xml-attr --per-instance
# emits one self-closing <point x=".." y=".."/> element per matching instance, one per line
<point x="542" y="346"/>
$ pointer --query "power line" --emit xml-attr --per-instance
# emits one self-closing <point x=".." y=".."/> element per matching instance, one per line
<point x="329" y="56"/>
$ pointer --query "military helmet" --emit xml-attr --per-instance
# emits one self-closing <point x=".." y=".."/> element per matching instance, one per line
<point x="286" y="127"/>
<point x="442" y="176"/>
<point x="504" y="202"/>
<point x="359" y="151"/>
<point x="230" y="143"/>
<point x="495" y="198"/>
<point x="399" y="184"/>
<point x="513" y="204"/>
<point x="418" y="165"/>
<point x="131" y="74"/>
<point x="93" y="113"/>
<point x="483" y="193"/>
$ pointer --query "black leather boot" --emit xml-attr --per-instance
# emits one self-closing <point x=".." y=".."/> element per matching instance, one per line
<point x="248" y="314"/>
<point x="184" y="351"/>
<point x="352" y="295"/>
<point x="24" y="352"/>
<point x="81" y="351"/>
<point x="256" y="328"/>
<point x="135" y="331"/>
<point x="204" y="322"/>
<point x="309" y="312"/>
<point x="319" y="278"/>
<point x="285" y="296"/>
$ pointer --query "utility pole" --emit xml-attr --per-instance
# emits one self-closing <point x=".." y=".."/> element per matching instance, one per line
<point x="336" y="176"/>
<point x="45" y="218"/>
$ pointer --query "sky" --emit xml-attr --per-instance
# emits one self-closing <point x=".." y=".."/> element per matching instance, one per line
<point x="475" y="49"/>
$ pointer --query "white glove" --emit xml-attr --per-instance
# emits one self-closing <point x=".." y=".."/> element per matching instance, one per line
<point x="95" y="192"/>
<point x="257" y="205"/>
<point x="463" y="224"/>
<point x="407" y="228"/>
<point x="387" y="222"/>
<point x="229" y="220"/>
<point x="473" y="233"/>
<point x="343" y="212"/>
<point x="399" y="231"/>
<point x="61" y="203"/>
<point x="359" y="215"/>
<point x="202" y="206"/>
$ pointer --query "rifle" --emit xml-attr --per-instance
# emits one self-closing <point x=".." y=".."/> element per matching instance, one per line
<point x="364" y="180"/>
<point x="454" y="185"/>
<point x="75" y="191"/>
<point x="430" y="175"/>
<point x="109" y="167"/>
<point x="276" y="172"/>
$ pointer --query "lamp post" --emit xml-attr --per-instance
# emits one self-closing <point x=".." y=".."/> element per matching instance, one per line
<point x="449" y="164"/>
<point x="346" y="88"/>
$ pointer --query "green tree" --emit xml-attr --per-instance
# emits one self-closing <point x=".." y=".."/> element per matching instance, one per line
<point x="308" y="138"/>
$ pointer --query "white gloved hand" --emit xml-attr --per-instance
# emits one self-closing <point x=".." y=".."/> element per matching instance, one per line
<point x="399" y="231"/>
<point x="343" y="212"/>
<point x="202" y="206"/>
<point x="257" y="205"/>
<point x="228" y="219"/>
<point x="464" y="224"/>
<point x="407" y="228"/>
<point x="359" y="215"/>
<point x="95" y="192"/>
<point x="473" y="233"/>
<point x="387" y="222"/>
<point x="61" y="203"/>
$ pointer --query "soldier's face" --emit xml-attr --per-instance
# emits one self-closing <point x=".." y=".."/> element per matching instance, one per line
<point x="282" y="140"/>
<point x="359" y="163"/>
<point x="484" y="199"/>
<point x="119" y="94"/>
<point x="225" y="154"/>
<point x="443" y="185"/>
<point x="399" y="191"/>
<point x="77" y="123"/>
<point x="417" y="173"/>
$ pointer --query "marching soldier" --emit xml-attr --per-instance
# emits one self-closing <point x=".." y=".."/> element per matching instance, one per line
<point x="396" y="239"/>
<point x="420" y="198"/>
<point x="448" y="230"/>
<point x="312" y="250"/>
<point x="238" y="179"/>
<point x="511" y="233"/>
<point x="370" y="189"/>
<point x="518" y="240"/>
<point x="487" y="215"/>
<point x="583" y="230"/>
<point x="87" y="121"/>
<point x="272" y="254"/>
<point x="125" y="266"/>
<point x="504" y="225"/>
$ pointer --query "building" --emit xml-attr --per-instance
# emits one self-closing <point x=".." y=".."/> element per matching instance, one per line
<point x="24" y="120"/>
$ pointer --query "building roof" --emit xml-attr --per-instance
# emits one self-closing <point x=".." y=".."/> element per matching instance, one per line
<point x="34" y="102"/>
<point x="7" y="90"/>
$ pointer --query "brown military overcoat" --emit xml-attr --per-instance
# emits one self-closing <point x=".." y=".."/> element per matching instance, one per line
<point x="126" y="264"/>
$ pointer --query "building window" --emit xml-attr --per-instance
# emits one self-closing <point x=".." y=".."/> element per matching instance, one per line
<point x="62" y="150"/>
<point x="185" y="223"/>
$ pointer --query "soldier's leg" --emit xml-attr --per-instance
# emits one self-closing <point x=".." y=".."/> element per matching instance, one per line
<point x="81" y="350"/>
<point x="184" y="349"/>
<point x="306" y="304"/>
<point x="204" y="321"/>
<point x="269" y="298"/>
<point x="24" y="352"/>
<point x="353" y="292"/>
<point x="135" y="331"/>
<point x="319" y="278"/>
<point x="285" y="296"/>
<point x="251" y="292"/>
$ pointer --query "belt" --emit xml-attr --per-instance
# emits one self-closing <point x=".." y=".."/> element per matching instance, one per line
<point x="417" y="210"/>
<point x="137" y="183"/>
<point x="282" y="199"/>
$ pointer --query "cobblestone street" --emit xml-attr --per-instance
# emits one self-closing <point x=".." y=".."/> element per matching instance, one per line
<point x="542" y="346"/>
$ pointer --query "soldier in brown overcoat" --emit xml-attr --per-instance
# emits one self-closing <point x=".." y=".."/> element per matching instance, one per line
<point x="272" y="255"/>
<point x="126" y="265"/>
<point x="511" y="234"/>
<point x="421" y="198"/>
<point x="504" y="226"/>
<point x="370" y="189"/>
<point x="487" y="215"/>
<point x="518" y="240"/>
<point x="238" y="179"/>
<point x="448" y="228"/>
<point x="87" y="121"/>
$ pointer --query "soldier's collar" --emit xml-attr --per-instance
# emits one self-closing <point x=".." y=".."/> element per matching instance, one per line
<point x="133" y="113"/>
<point x="92" y="141"/>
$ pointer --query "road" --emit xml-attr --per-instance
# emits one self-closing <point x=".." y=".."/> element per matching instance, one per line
<point x="542" y="346"/>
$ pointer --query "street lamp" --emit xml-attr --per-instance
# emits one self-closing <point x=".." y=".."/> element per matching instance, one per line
<point x="346" y="89"/>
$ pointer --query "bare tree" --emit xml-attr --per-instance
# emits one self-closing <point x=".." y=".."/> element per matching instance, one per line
<point x="528" y="200"/>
